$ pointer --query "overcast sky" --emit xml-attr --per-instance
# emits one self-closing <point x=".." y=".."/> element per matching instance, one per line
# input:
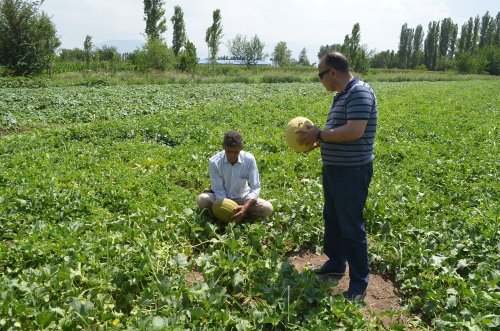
<point x="300" y="23"/>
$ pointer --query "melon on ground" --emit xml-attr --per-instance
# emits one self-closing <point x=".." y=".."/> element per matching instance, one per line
<point x="224" y="209"/>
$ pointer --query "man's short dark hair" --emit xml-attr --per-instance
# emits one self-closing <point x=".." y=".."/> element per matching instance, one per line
<point x="232" y="139"/>
<point x="336" y="60"/>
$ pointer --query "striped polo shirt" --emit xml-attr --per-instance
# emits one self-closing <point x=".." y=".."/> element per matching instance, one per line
<point x="356" y="102"/>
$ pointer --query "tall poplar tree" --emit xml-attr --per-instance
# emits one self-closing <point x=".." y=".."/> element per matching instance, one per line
<point x="417" y="49"/>
<point x="487" y="34"/>
<point x="475" y="34"/>
<point x="447" y="38"/>
<point x="87" y="48"/>
<point x="179" y="30"/>
<point x="154" y="13"/>
<point x="214" y="35"/>
<point x="353" y="51"/>
<point x="352" y="42"/>
<point x="431" y="46"/>
<point x="496" y="39"/>
<point x="405" y="46"/>
<point x="453" y="40"/>
<point x="469" y="36"/>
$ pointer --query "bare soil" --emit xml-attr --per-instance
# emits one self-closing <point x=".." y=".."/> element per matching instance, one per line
<point x="6" y="132"/>
<point x="382" y="299"/>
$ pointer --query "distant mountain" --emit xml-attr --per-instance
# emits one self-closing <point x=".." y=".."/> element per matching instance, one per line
<point x="123" y="46"/>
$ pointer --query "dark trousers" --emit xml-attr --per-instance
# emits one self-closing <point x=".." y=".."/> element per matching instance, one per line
<point x="345" y="191"/>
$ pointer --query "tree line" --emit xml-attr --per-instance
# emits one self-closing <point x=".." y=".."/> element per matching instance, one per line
<point x="34" y="50"/>
<point x="475" y="50"/>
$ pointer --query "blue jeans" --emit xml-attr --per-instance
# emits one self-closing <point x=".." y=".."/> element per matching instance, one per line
<point x="345" y="191"/>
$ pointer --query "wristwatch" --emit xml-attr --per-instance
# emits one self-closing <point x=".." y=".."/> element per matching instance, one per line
<point x="318" y="136"/>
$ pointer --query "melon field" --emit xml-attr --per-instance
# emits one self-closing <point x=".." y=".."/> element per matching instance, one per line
<point x="99" y="227"/>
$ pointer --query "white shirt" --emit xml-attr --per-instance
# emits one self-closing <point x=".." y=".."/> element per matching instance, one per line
<point x="238" y="181"/>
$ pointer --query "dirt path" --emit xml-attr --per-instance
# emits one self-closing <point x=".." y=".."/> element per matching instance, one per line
<point x="381" y="297"/>
<point x="7" y="132"/>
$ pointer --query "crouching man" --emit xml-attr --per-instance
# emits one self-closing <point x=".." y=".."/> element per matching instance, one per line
<point x="234" y="175"/>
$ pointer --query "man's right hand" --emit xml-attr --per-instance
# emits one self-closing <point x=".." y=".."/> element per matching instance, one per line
<point x="307" y="136"/>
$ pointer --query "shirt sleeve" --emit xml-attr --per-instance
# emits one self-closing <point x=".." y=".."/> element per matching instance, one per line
<point x="216" y="181"/>
<point x="253" y="180"/>
<point x="360" y="104"/>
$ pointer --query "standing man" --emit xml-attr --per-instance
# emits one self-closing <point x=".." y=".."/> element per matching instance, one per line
<point x="347" y="143"/>
<point x="234" y="175"/>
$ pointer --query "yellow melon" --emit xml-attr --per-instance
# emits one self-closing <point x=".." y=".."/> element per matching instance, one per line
<point x="224" y="209"/>
<point x="291" y="137"/>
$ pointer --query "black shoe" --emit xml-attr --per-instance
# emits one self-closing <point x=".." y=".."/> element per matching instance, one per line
<point x="354" y="296"/>
<point x="327" y="271"/>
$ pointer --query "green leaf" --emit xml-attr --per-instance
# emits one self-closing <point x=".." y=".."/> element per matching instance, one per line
<point x="243" y="325"/>
<point x="180" y="260"/>
<point x="158" y="322"/>
<point x="238" y="278"/>
<point x="197" y="313"/>
<point x="462" y="263"/>
<point x="451" y="302"/>
<point x="436" y="261"/>
<point x="58" y="310"/>
<point x="88" y="306"/>
<point x="45" y="318"/>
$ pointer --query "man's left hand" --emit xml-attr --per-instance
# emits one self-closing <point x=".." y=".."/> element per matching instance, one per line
<point x="241" y="212"/>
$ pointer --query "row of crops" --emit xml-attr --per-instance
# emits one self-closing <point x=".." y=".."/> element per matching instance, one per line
<point x="98" y="225"/>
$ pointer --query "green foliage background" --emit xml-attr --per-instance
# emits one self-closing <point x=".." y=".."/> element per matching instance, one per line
<point x="28" y="38"/>
<point x="98" y="224"/>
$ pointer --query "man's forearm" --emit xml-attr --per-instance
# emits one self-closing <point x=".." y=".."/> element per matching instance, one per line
<point x="345" y="133"/>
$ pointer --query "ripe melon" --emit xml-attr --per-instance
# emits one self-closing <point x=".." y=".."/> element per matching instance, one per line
<point x="224" y="209"/>
<point x="291" y="137"/>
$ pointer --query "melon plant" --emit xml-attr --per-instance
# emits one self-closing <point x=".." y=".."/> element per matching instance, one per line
<point x="291" y="137"/>
<point x="83" y="247"/>
<point x="224" y="209"/>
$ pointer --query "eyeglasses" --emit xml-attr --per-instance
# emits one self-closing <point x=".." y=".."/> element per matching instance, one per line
<point x="323" y="73"/>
